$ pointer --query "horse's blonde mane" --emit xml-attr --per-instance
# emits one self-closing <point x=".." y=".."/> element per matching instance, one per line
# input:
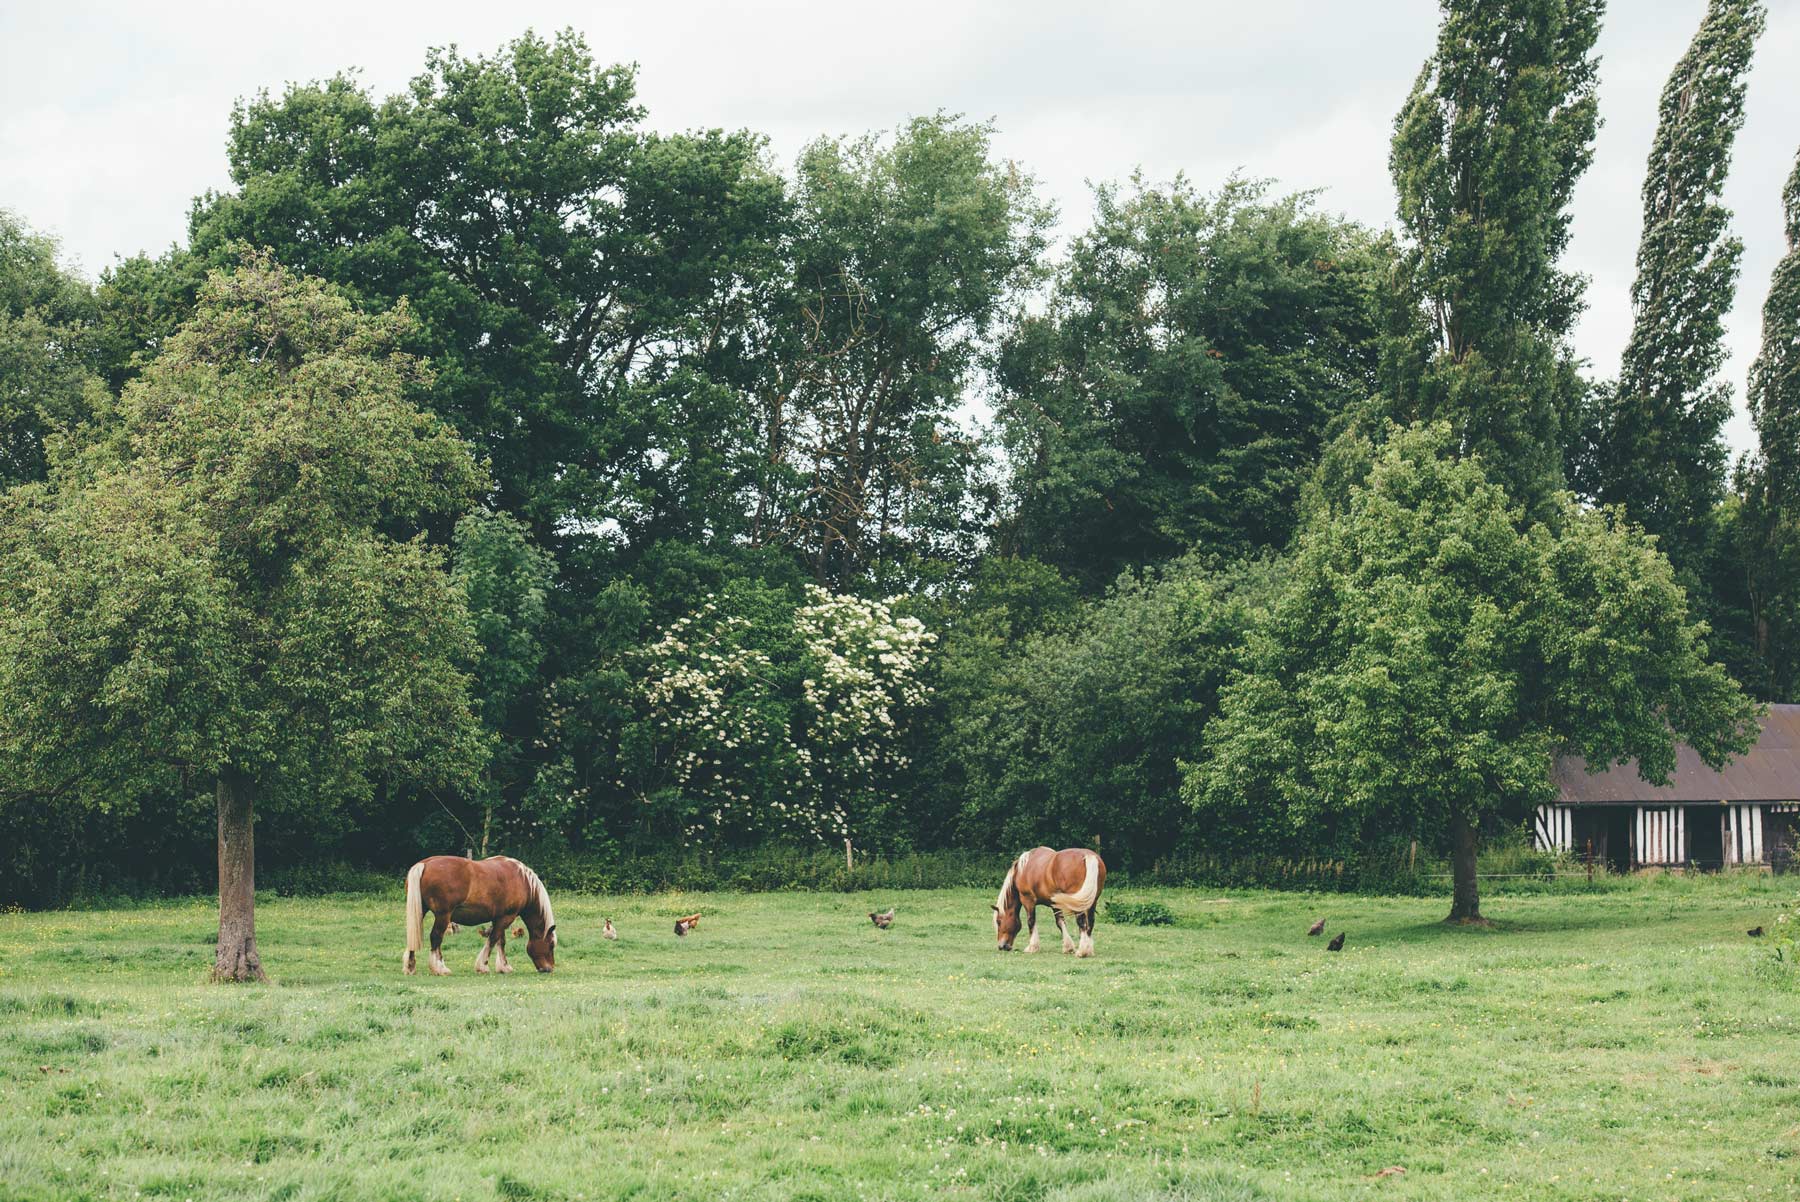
<point x="540" y="895"/>
<point x="1006" y="886"/>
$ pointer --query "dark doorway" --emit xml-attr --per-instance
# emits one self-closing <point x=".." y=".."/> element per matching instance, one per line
<point x="1616" y="822"/>
<point x="1706" y="837"/>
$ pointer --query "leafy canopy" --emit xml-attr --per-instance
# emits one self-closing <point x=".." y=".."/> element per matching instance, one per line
<point x="1485" y="156"/>
<point x="234" y="579"/>
<point x="1432" y="650"/>
<point x="1179" y="386"/>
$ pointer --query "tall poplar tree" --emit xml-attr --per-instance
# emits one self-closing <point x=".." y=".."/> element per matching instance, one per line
<point x="1659" y="451"/>
<point x="1485" y="156"/>
<point x="1770" y="548"/>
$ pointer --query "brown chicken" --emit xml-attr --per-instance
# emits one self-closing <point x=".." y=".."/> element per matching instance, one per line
<point x="1317" y="928"/>
<point x="884" y="921"/>
<point x="1337" y="943"/>
<point x="607" y="931"/>
<point x="1754" y="932"/>
<point x="684" y="925"/>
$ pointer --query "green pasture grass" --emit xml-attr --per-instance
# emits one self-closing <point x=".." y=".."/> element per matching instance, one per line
<point x="1626" y="1044"/>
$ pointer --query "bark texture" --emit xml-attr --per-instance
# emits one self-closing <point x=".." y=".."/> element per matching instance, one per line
<point x="1465" y="903"/>
<point x="236" y="959"/>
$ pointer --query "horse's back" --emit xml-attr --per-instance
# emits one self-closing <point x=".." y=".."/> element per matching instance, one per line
<point x="474" y="890"/>
<point x="1047" y="874"/>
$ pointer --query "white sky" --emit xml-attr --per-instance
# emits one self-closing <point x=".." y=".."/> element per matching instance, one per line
<point x="113" y="116"/>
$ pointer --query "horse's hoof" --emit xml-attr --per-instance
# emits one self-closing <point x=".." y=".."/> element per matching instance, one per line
<point x="482" y="969"/>
<point x="1084" y="953"/>
<point x="505" y="968"/>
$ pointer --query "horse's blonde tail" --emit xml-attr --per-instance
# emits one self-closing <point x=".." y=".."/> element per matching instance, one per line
<point x="415" y="916"/>
<point x="1082" y="900"/>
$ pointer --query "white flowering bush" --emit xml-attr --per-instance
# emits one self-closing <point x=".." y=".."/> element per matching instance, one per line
<point x="762" y="718"/>
<point x="865" y="668"/>
<point x="717" y="720"/>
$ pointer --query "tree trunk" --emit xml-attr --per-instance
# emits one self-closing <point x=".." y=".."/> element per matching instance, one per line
<point x="236" y="959"/>
<point x="1465" y="904"/>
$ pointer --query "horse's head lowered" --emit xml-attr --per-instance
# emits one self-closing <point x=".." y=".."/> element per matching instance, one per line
<point x="541" y="946"/>
<point x="1006" y="913"/>
<point x="540" y="924"/>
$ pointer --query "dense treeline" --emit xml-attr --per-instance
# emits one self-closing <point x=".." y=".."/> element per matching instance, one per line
<point x="486" y="470"/>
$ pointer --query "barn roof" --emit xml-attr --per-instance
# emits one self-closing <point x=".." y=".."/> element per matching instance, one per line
<point x="1770" y="771"/>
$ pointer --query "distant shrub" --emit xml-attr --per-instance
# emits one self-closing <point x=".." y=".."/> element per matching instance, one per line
<point x="1784" y="939"/>
<point x="1140" y="914"/>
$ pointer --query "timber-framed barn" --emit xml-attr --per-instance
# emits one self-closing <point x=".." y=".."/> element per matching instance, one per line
<point x="1747" y="813"/>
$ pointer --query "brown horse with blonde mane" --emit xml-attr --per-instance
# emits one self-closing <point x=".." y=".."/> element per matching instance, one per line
<point x="1069" y="880"/>
<point x="496" y="891"/>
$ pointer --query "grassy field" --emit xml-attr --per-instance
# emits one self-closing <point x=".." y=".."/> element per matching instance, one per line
<point x="1630" y="1044"/>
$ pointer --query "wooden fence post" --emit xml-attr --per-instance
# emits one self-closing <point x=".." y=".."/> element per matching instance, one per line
<point x="849" y="863"/>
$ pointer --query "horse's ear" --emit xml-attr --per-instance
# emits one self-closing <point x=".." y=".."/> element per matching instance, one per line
<point x="994" y="906"/>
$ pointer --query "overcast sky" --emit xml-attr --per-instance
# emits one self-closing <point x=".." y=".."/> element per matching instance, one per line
<point x="113" y="116"/>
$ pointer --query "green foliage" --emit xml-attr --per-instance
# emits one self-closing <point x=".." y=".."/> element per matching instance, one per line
<point x="49" y="352"/>
<point x="228" y="580"/>
<point x="904" y="249"/>
<point x="1430" y="653"/>
<point x="506" y="581"/>
<point x="760" y="717"/>
<point x="1765" y="552"/>
<point x="1139" y="913"/>
<point x="1079" y="730"/>
<point x="683" y="386"/>
<point x="1485" y="157"/>
<point x="1177" y="390"/>
<point x="568" y="269"/>
<point x="1659" y="453"/>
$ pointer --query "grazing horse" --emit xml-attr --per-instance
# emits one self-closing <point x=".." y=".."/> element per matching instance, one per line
<point x="495" y="891"/>
<point x="1069" y="880"/>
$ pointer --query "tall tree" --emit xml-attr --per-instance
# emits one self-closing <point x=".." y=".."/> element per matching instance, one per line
<point x="48" y="351"/>
<point x="1485" y="157"/>
<point x="231" y="586"/>
<point x="1431" y="652"/>
<point x="506" y="580"/>
<point x="1178" y="387"/>
<point x="573" y="276"/>
<point x="1769" y="544"/>
<point x="904" y="250"/>
<point x="1659" y="451"/>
